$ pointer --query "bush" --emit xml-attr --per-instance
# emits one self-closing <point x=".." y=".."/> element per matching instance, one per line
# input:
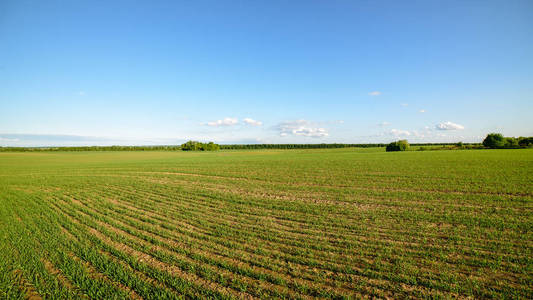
<point x="494" y="140"/>
<point x="401" y="145"/>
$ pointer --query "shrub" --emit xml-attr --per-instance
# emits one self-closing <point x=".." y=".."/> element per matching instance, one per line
<point x="401" y="145"/>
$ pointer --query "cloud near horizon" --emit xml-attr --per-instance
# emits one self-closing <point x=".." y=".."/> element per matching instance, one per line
<point x="449" y="126"/>
<point x="399" y="132"/>
<point x="3" y="139"/>
<point x="301" y="128"/>
<point x="224" y="122"/>
<point x="252" y="122"/>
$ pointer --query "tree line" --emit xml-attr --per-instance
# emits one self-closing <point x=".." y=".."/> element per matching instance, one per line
<point x="320" y="146"/>
<point x="295" y="146"/>
<point x="498" y="141"/>
<point x="91" y="148"/>
<point x="493" y="140"/>
<point x="192" y="146"/>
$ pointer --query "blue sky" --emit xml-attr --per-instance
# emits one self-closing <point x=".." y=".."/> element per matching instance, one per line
<point x="162" y="72"/>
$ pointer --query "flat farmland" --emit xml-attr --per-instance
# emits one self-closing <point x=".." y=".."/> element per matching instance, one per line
<point x="299" y="224"/>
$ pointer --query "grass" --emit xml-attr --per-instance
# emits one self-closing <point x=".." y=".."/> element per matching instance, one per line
<point x="329" y="223"/>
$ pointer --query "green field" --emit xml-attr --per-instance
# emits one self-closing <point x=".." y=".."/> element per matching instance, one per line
<point x="336" y="223"/>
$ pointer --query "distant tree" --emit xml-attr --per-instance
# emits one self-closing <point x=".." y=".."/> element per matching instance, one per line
<point x="197" y="146"/>
<point x="494" y="140"/>
<point x="190" y="146"/>
<point x="525" y="141"/>
<point x="401" y="145"/>
<point x="212" y="146"/>
<point x="511" y="142"/>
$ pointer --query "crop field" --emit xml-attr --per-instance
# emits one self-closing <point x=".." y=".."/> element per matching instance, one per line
<point x="324" y="223"/>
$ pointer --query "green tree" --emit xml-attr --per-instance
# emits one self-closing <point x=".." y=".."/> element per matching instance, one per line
<point x="525" y="141"/>
<point x="190" y="146"/>
<point x="494" y="140"/>
<point x="401" y="145"/>
<point x="511" y="142"/>
<point x="212" y="146"/>
<point x="197" y="146"/>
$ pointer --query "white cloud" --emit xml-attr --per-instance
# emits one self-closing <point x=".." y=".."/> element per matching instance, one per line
<point x="399" y="132"/>
<point x="422" y="111"/>
<point x="8" y="140"/>
<point x="421" y="134"/>
<point x="252" y="122"/>
<point x="81" y="93"/>
<point x="404" y="104"/>
<point x="449" y="126"/>
<point x="383" y="124"/>
<point x="224" y="122"/>
<point x="374" y="93"/>
<point x="301" y="128"/>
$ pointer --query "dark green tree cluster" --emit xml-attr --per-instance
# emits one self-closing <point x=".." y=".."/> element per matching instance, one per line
<point x="198" y="146"/>
<point x="498" y="141"/>
<point x="401" y="145"/>
<point x="525" y="142"/>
